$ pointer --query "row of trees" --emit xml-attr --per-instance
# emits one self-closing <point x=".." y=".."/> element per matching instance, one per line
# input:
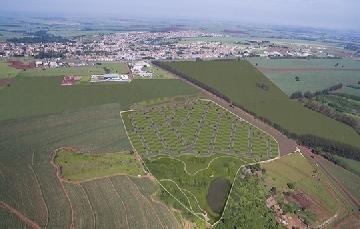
<point x="327" y="111"/>
<point x="311" y="141"/>
<point x="308" y="94"/>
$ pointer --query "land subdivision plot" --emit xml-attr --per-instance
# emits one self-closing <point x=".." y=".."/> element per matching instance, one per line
<point x="187" y="145"/>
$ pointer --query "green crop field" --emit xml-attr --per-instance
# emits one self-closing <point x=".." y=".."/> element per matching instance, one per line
<point x="79" y="166"/>
<point x="310" y="80"/>
<point x="28" y="182"/>
<point x="188" y="144"/>
<point x="6" y="71"/>
<point x="44" y="95"/>
<point x="240" y="81"/>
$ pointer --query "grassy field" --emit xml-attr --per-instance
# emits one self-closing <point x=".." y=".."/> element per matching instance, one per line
<point x="28" y="182"/>
<point x="239" y="79"/>
<point x="351" y="165"/>
<point x="6" y="71"/>
<point x="348" y="179"/>
<point x="113" y="67"/>
<point x="31" y="96"/>
<point x="309" y="80"/>
<point x="79" y="166"/>
<point x="187" y="144"/>
<point x="297" y="170"/>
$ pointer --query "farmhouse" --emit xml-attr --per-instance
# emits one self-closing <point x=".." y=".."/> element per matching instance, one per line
<point x="113" y="77"/>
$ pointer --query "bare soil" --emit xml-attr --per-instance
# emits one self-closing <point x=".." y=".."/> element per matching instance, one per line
<point x="21" y="65"/>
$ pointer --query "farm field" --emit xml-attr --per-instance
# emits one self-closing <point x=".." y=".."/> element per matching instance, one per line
<point x="48" y="96"/>
<point x="34" y="190"/>
<point x="245" y="85"/>
<point x="314" y="74"/>
<point x="76" y="166"/>
<point x="187" y="145"/>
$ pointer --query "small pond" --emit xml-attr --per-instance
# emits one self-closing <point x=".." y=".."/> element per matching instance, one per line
<point x="217" y="194"/>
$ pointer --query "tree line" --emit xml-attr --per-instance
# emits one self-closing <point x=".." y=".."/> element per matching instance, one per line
<point x="311" y="141"/>
<point x="308" y="94"/>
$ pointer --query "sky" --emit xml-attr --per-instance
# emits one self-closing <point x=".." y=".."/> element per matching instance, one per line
<point x="333" y="14"/>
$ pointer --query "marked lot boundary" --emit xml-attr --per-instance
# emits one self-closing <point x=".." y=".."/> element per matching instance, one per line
<point x="236" y="174"/>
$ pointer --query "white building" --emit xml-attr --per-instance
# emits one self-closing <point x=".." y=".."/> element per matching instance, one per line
<point x="113" y="77"/>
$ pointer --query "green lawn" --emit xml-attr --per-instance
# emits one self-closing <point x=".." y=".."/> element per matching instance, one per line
<point x="240" y="81"/>
<point x="115" y="67"/>
<point x="79" y="166"/>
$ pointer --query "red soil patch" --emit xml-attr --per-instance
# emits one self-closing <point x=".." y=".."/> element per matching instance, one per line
<point x="299" y="70"/>
<point x="6" y="82"/>
<point x="302" y="199"/>
<point x="21" y="65"/>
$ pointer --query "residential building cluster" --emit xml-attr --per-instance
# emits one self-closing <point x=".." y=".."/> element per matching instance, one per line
<point x="132" y="46"/>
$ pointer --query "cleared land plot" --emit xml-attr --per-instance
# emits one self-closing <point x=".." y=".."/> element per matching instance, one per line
<point x="305" y="177"/>
<point x="241" y="82"/>
<point x="43" y="95"/>
<point x="181" y="145"/>
<point x="77" y="166"/>
<point x="314" y="74"/>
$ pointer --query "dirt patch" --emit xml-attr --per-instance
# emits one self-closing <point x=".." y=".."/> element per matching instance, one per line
<point x="6" y="82"/>
<point x="21" y="65"/>
<point x="302" y="199"/>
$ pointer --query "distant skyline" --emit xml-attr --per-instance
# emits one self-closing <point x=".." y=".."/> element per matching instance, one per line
<point x="329" y="14"/>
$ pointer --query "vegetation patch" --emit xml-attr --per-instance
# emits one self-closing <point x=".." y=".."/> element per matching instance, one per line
<point x="79" y="166"/>
<point x="217" y="194"/>
<point x="246" y="206"/>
